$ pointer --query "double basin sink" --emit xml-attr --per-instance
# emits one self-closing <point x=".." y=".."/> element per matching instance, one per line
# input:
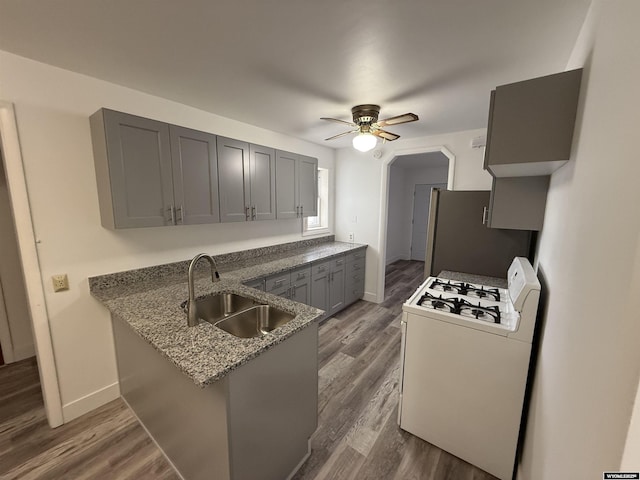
<point x="240" y="316"/>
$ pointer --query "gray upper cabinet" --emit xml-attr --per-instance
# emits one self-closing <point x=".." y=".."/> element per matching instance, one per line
<point x="296" y="185"/>
<point x="151" y="174"/>
<point x="286" y="188"/>
<point x="531" y="125"/>
<point x="262" y="169"/>
<point x="518" y="203"/>
<point x="247" y="181"/>
<point x="234" y="180"/>
<point x="308" y="186"/>
<point x="195" y="176"/>
<point x="133" y="170"/>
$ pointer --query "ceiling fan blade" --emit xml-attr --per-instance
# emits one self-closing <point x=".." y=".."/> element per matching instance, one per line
<point x="405" y="118"/>
<point x="351" y="124"/>
<point x="386" y="135"/>
<point x="341" y="134"/>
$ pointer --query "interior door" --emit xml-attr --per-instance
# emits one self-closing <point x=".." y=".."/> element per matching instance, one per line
<point x="421" y="201"/>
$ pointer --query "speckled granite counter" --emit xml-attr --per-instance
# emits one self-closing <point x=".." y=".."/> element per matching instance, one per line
<point x="477" y="279"/>
<point x="149" y="299"/>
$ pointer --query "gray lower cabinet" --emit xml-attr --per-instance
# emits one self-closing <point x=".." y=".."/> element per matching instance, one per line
<point x="301" y="285"/>
<point x="296" y="185"/>
<point x="151" y="174"/>
<point x="327" y="285"/>
<point x="247" y="181"/>
<point x="278" y="284"/>
<point x="254" y="423"/>
<point x="354" y="277"/>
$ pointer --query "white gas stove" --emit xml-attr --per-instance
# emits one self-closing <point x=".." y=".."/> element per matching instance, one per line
<point x="465" y="361"/>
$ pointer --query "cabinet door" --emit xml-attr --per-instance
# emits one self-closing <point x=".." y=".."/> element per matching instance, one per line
<point x="518" y="202"/>
<point x="531" y="125"/>
<point x="233" y="180"/>
<point x="286" y="186"/>
<point x="320" y="286"/>
<point x="133" y="170"/>
<point x="262" y="166"/>
<point x="336" y="286"/>
<point x="308" y="186"/>
<point x="301" y="285"/>
<point x="195" y="176"/>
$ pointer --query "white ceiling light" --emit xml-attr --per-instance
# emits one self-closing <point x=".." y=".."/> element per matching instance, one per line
<point x="364" y="142"/>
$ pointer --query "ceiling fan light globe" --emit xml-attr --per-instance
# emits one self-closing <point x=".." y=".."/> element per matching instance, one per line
<point x="364" y="142"/>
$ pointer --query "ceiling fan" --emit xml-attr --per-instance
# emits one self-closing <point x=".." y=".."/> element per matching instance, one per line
<point x="368" y="128"/>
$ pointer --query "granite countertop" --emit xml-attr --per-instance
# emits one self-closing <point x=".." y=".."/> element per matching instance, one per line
<point x="149" y="299"/>
<point x="471" y="278"/>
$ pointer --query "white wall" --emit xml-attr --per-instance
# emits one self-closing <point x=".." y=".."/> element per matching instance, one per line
<point x="15" y="327"/>
<point x="589" y="363"/>
<point x="402" y="185"/>
<point x="53" y="108"/>
<point x="361" y="193"/>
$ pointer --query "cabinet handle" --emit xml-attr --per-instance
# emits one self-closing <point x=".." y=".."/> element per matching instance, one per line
<point x="246" y="213"/>
<point x="301" y="276"/>
<point x="321" y="269"/>
<point x="302" y="210"/>
<point x="484" y="215"/>
<point x="180" y="211"/>
<point x="356" y="267"/>
<point x="277" y="283"/>
<point x="253" y="212"/>
<point x="339" y="262"/>
<point x="172" y="217"/>
<point x="297" y="210"/>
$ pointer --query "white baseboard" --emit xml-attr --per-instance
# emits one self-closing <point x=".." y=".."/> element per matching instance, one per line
<point x="90" y="402"/>
<point x="370" y="297"/>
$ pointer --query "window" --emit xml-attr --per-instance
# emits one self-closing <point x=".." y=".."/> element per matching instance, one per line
<point x="319" y="224"/>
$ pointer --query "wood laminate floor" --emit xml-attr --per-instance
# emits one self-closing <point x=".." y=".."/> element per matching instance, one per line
<point x="357" y="436"/>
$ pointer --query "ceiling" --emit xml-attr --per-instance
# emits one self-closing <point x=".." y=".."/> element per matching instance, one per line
<point x="283" y="64"/>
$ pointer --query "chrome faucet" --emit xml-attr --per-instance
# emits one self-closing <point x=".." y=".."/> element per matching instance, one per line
<point x="192" y="315"/>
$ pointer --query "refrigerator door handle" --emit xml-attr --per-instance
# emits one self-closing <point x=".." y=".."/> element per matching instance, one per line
<point x="485" y="210"/>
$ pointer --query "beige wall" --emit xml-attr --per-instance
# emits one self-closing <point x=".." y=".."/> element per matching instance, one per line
<point x="52" y="109"/>
<point x="589" y="363"/>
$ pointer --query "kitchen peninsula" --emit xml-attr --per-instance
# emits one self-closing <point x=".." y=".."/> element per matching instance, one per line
<point x="220" y="406"/>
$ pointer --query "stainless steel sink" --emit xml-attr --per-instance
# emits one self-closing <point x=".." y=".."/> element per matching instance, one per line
<point x="254" y="321"/>
<point x="214" y="308"/>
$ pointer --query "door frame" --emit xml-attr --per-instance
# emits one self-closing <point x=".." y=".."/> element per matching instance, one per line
<point x="384" y="201"/>
<point x="27" y="244"/>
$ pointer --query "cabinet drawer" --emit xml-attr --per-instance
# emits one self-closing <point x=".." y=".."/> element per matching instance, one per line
<point x="258" y="284"/>
<point x="277" y="281"/>
<point x="357" y="255"/>
<point x="355" y="267"/>
<point x="339" y="262"/>
<point x="300" y="275"/>
<point x="322" y="268"/>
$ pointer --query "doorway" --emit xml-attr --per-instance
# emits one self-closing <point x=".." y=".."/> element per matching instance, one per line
<point x="16" y="338"/>
<point x="420" y="219"/>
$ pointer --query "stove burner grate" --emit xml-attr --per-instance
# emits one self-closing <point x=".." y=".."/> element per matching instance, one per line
<point x="459" y="306"/>
<point x="463" y="288"/>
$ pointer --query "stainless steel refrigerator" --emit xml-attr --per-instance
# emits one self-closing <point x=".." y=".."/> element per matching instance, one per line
<point x="458" y="239"/>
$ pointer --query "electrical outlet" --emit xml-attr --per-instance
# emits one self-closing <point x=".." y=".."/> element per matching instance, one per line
<point x="60" y="282"/>
<point x="351" y="237"/>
